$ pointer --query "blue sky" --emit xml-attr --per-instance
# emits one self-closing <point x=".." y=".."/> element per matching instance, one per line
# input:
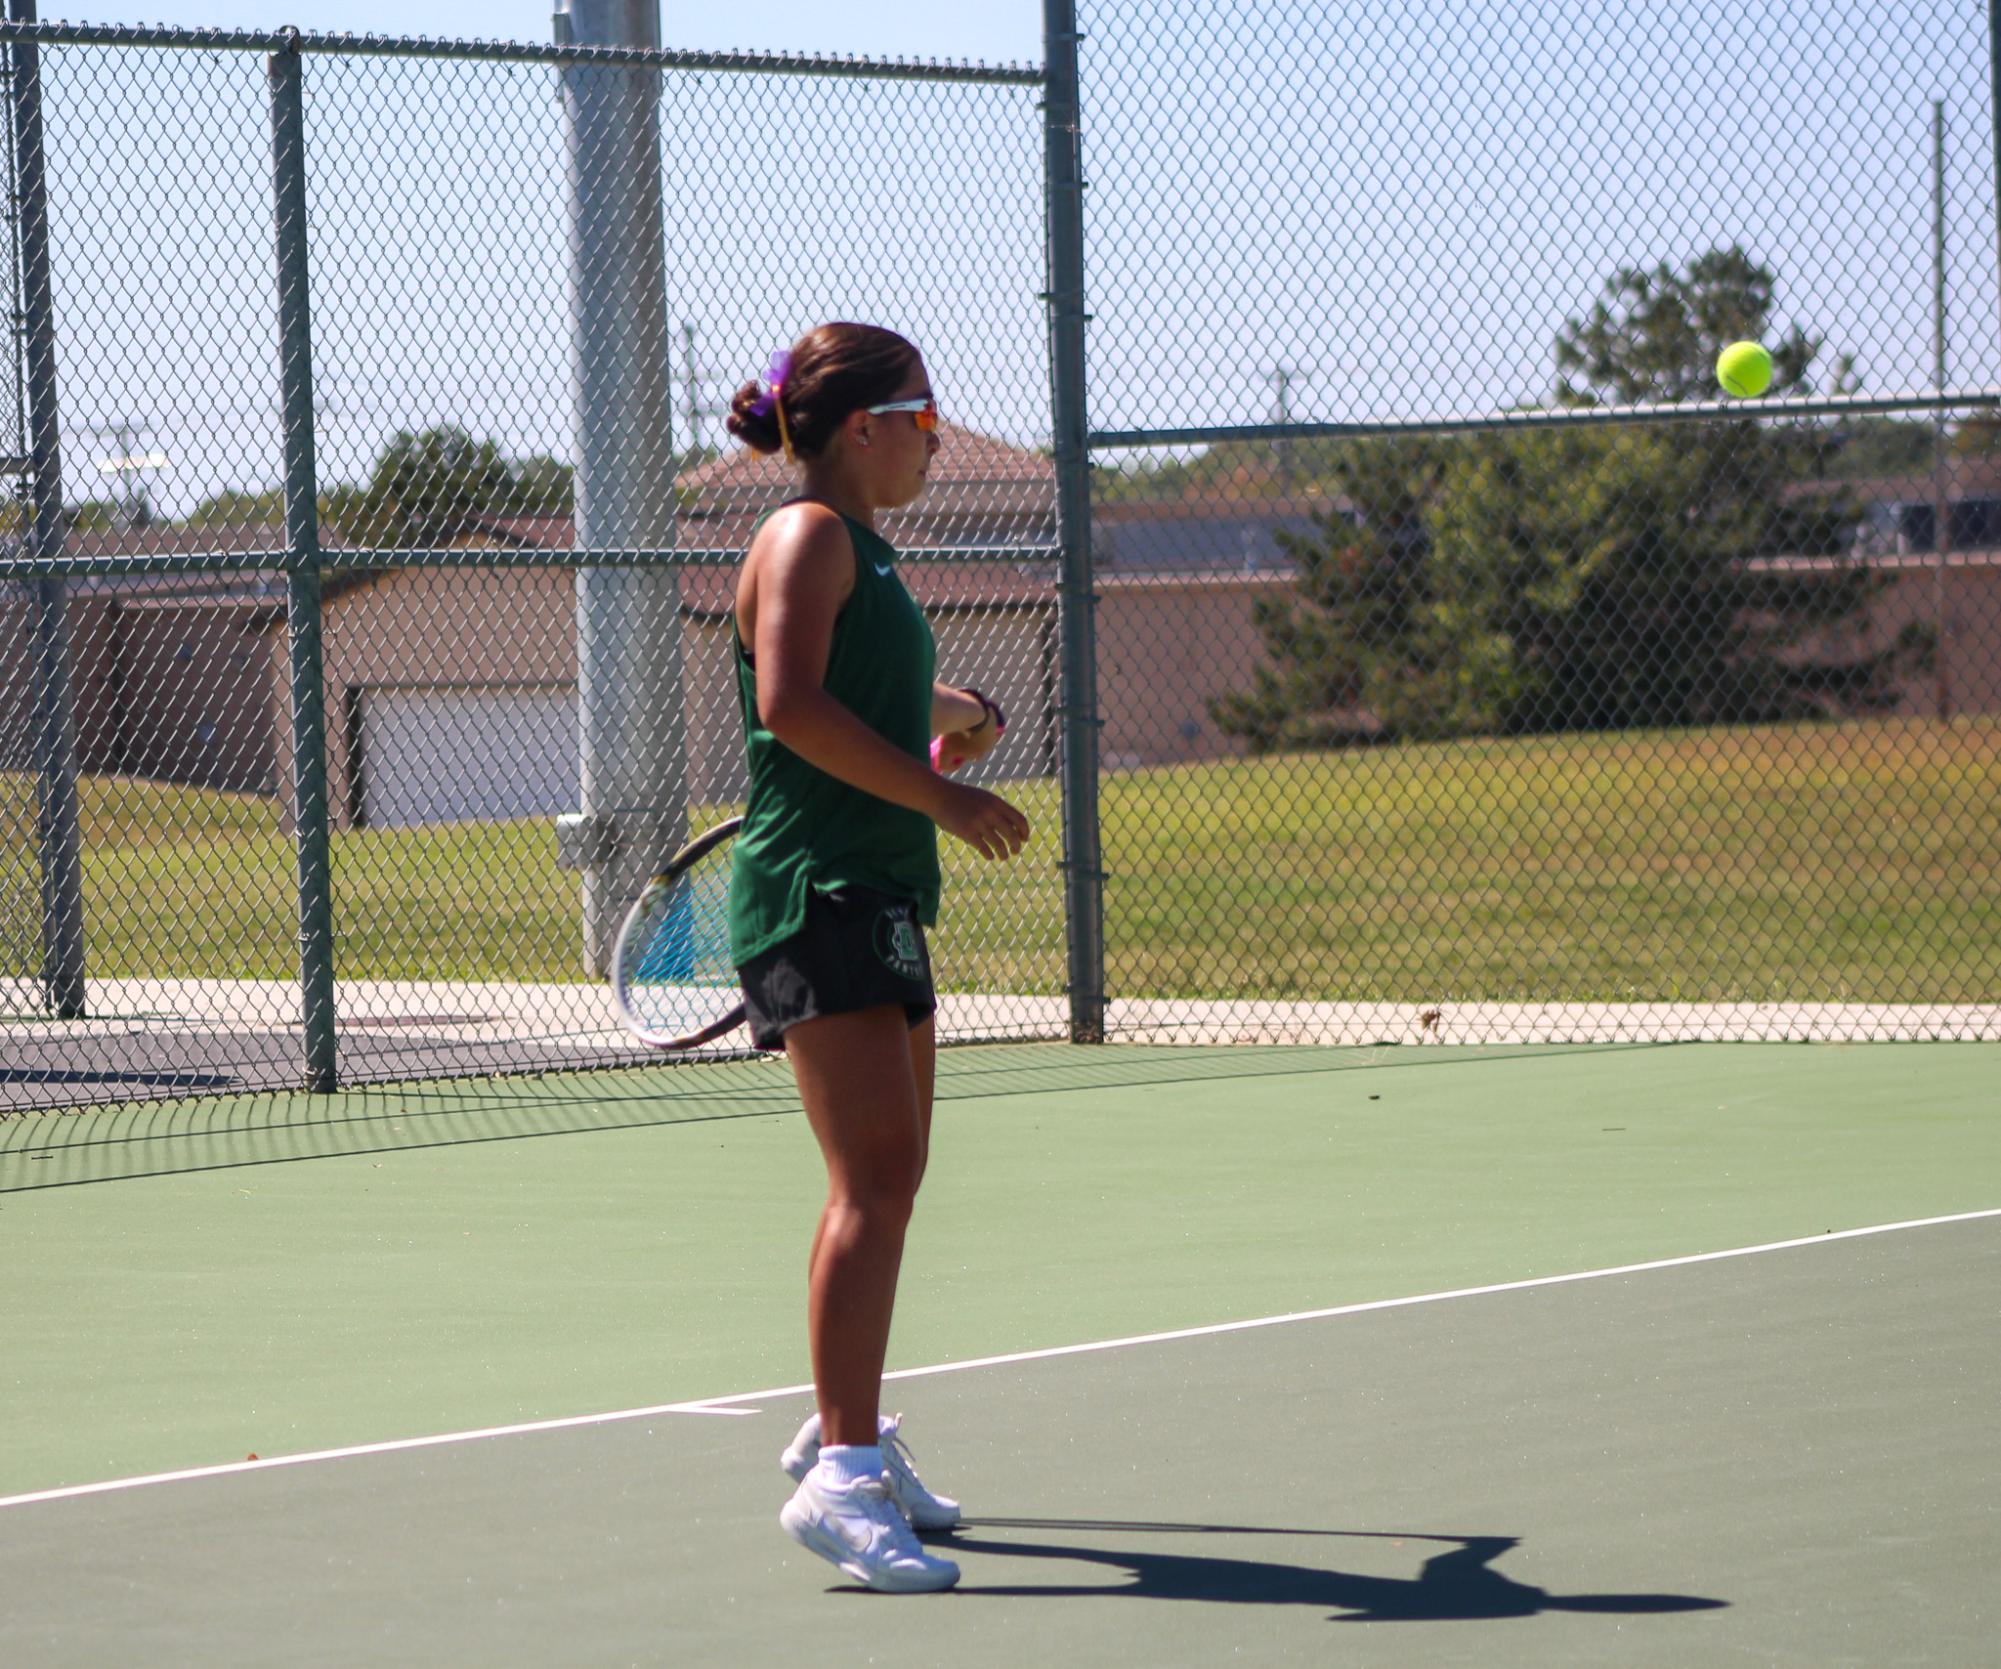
<point x="1396" y="204"/>
<point x="993" y="31"/>
<point x="439" y="228"/>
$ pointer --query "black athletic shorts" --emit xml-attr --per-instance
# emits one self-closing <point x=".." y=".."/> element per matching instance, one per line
<point x="859" y="949"/>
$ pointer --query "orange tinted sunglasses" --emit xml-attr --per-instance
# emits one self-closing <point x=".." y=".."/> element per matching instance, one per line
<point x="924" y="412"/>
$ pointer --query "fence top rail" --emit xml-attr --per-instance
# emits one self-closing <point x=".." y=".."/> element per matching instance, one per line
<point x="84" y="564"/>
<point x="1570" y="417"/>
<point x="518" y="52"/>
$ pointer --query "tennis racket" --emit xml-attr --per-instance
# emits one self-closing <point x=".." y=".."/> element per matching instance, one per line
<point x="672" y="977"/>
<point x="671" y="973"/>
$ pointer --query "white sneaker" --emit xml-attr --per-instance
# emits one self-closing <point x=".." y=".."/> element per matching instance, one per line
<point x="924" y="1510"/>
<point x="856" y="1527"/>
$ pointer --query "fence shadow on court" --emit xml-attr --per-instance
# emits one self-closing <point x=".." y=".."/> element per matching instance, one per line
<point x="175" y="1136"/>
<point x="1460" y="1584"/>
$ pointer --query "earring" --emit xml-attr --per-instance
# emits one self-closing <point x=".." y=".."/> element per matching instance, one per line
<point x="864" y="439"/>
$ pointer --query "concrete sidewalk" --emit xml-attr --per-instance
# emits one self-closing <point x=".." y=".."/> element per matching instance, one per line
<point x="148" y="1038"/>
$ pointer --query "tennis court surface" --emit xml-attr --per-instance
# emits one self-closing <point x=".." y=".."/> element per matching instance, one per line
<point x="1452" y="1370"/>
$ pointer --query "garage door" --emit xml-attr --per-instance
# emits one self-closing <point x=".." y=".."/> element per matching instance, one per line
<point x="449" y="756"/>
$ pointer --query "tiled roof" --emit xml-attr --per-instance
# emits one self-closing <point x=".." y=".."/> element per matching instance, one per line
<point x="1209" y="507"/>
<point x="981" y="491"/>
<point x="964" y="455"/>
<point x="165" y="539"/>
<point x="711" y="592"/>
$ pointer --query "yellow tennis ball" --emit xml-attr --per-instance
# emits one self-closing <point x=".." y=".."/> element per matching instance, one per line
<point x="1744" y="369"/>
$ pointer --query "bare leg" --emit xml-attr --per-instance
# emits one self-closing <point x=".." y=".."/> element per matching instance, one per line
<point x="924" y="1067"/>
<point x="924" y="1064"/>
<point x="859" y="1086"/>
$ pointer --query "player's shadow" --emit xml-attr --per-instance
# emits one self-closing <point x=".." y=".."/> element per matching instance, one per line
<point x="1458" y="1584"/>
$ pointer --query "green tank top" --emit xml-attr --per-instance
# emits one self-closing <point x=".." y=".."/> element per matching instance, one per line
<point x="805" y="831"/>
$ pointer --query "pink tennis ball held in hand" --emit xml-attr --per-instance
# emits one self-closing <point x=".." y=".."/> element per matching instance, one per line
<point x="940" y="761"/>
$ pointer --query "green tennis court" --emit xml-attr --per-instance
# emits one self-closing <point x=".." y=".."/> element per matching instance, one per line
<point x="1429" y="1337"/>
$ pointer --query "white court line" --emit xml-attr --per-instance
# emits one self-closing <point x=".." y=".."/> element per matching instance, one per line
<point x="362" y="1449"/>
<point x="722" y="1405"/>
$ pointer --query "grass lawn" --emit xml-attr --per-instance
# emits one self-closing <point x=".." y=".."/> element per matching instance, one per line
<point x="1855" y="862"/>
<point x="1851" y="862"/>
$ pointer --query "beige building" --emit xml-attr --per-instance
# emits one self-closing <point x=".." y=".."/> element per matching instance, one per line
<point x="168" y="672"/>
<point x="451" y="693"/>
<point x="1954" y="599"/>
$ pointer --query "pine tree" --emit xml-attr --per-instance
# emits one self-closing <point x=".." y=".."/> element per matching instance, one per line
<point x="1560" y="579"/>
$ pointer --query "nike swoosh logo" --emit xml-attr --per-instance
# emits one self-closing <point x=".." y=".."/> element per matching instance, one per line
<point x="884" y="568"/>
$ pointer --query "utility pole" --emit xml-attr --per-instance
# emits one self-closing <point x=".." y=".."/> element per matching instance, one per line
<point x="632" y="786"/>
<point x="694" y="397"/>
<point x="1282" y="449"/>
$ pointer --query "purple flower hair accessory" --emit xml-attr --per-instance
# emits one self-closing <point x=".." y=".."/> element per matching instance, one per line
<point x="774" y="378"/>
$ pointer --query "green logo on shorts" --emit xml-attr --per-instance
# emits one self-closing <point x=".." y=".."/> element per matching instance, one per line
<point x="897" y="943"/>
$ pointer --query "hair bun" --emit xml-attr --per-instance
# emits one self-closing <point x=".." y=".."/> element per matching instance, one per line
<point x="756" y="428"/>
<point x="832" y="370"/>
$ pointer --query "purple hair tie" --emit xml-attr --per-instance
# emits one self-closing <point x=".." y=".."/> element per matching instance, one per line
<point x="768" y="404"/>
<point x="773" y="379"/>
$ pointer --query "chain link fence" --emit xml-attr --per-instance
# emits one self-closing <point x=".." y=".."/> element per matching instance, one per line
<point x="1446" y="660"/>
<point x="535" y="276"/>
<point x="1470" y="668"/>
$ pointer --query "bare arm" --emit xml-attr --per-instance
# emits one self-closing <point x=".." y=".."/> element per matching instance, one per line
<point x="952" y="710"/>
<point x="965" y="725"/>
<point x="802" y="572"/>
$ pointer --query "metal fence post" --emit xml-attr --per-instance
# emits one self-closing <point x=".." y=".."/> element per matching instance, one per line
<point x="1941" y="461"/>
<point x="632" y="789"/>
<point x="1084" y="880"/>
<point x="58" y="824"/>
<point x="302" y="592"/>
<point x="1994" y="115"/>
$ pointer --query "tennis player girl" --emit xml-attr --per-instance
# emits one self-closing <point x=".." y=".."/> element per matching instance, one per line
<point x="835" y="879"/>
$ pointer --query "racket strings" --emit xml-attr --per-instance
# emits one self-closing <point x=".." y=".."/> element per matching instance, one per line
<point x="676" y="973"/>
<point x="690" y="940"/>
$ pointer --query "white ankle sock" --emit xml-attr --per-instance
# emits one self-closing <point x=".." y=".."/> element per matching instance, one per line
<point x="845" y="1464"/>
<point x="811" y="1430"/>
